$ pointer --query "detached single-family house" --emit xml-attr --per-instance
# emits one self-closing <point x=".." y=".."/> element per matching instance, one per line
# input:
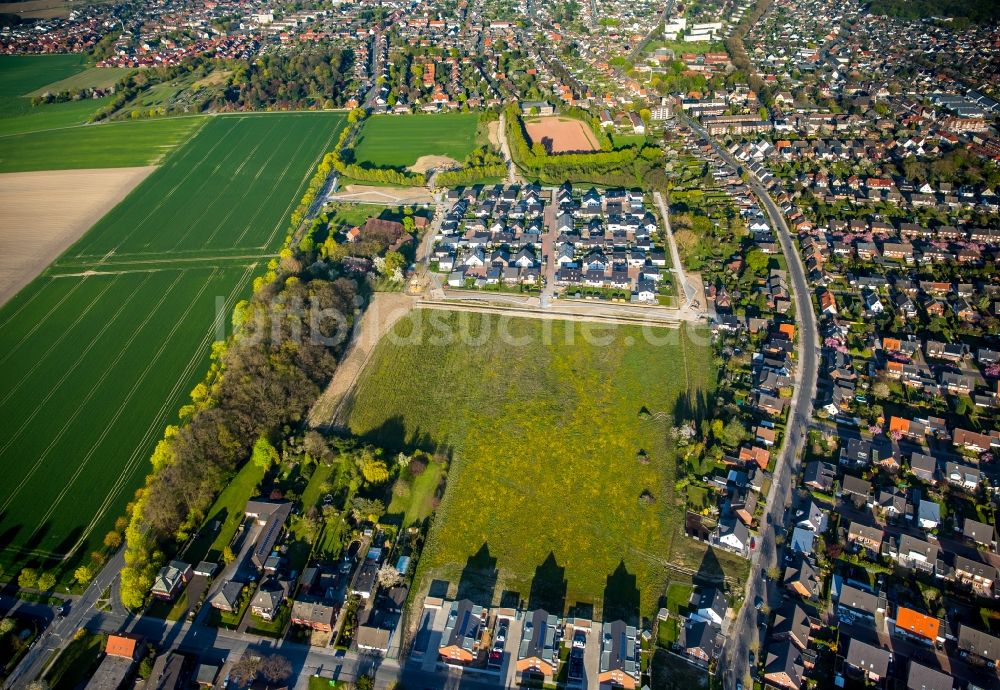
<point x="170" y="580"/>
<point x="462" y="631"/>
<point x="710" y="605"/>
<point x="699" y="640"/>
<point x="855" y="603"/>
<point x="928" y="515"/>
<point x="227" y="598"/>
<point x="314" y="615"/>
<point x="783" y="665"/>
<point x="269" y="597"/>
<point x="619" y="663"/>
<point x="538" y="653"/>
<point x="979" y="532"/>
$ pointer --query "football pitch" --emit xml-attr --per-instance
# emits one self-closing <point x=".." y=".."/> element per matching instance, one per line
<point x="99" y="352"/>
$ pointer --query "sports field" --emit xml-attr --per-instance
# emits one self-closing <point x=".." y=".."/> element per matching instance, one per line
<point x="98" y="353"/>
<point x="545" y="432"/>
<point x="397" y="141"/>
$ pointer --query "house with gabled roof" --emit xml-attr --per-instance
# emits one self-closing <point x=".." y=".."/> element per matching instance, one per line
<point x="619" y="661"/>
<point x="871" y="661"/>
<point x="463" y="629"/>
<point x="917" y="626"/>
<point x="538" y="653"/>
<point x="170" y="580"/>
<point x="783" y="665"/>
<point x="920" y="677"/>
<point x="979" y="644"/>
<point x="802" y="579"/>
<point x="979" y="532"/>
<point x="792" y="622"/>
<point x="699" y="640"/>
<point x="854" y="602"/>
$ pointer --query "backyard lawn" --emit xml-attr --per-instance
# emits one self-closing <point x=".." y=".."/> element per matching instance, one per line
<point x="548" y="495"/>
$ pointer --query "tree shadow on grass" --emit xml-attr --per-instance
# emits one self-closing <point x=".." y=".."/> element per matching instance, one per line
<point x="548" y="588"/>
<point x="621" y="596"/>
<point x="479" y="577"/>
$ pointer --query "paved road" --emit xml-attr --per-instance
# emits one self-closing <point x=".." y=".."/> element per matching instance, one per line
<point x="745" y="634"/>
<point x="61" y="630"/>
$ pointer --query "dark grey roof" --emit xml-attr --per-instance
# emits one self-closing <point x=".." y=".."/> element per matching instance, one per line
<point x="619" y="649"/>
<point x="858" y="599"/>
<point x="538" y="636"/>
<point x="868" y="658"/>
<point x="462" y="627"/>
<point x="921" y="677"/>
<point x="980" y="643"/>
<point x="978" y="531"/>
<point x="701" y="635"/>
<point x="784" y="657"/>
<point x="791" y="622"/>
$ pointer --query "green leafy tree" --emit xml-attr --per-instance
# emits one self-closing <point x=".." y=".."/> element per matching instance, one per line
<point x="84" y="574"/>
<point x="264" y="454"/>
<point x="6" y="626"/>
<point x="374" y="470"/>
<point x="28" y="578"/>
<point x="46" y="581"/>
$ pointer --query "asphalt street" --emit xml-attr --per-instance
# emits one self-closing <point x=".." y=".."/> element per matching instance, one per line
<point x="745" y="634"/>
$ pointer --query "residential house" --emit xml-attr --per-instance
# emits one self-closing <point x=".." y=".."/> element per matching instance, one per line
<point x="974" y="573"/>
<point x="314" y="615"/>
<point x="871" y="661"/>
<point x="271" y="516"/>
<point x="267" y="601"/>
<point x="819" y="476"/>
<point x="783" y="665"/>
<point x="924" y="467"/>
<point x="928" y="515"/>
<point x="791" y="622"/>
<point x="170" y="580"/>
<point x="619" y="663"/>
<point x="120" y="655"/>
<point x="733" y="535"/>
<point x="965" y="476"/>
<point x="802" y="579"/>
<point x="865" y="536"/>
<point x="979" y="532"/>
<point x="917" y="626"/>
<point x="710" y="605"/>
<point x="855" y="603"/>
<point x="538" y="653"/>
<point x="978" y="644"/>
<point x="856" y="489"/>
<point x="227" y="598"/>
<point x="920" y="677"/>
<point x="699" y="640"/>
<point x="462" y="632"/>
<point x="916" y="553"/>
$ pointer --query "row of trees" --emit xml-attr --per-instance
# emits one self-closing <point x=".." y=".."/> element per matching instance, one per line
<point x="626" y="165"/>
<point x="469" y="175"/>
<point x="264" y="376"/>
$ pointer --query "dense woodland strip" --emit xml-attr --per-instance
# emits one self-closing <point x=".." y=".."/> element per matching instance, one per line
<point x="267" y="374"/>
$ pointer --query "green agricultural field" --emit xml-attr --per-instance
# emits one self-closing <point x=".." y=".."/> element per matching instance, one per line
<point x="110" y="145"/>
<point x="98" y="353"/>
<point x="397" y="141"/>
<point x="93" y="78"/>
<point x="544" y="491"/>
<point x="21" y="76"/>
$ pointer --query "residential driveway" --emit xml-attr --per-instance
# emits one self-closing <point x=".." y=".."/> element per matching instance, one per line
<point x="436" y="627"/>
<point x="508" y="670"/>
<point x="592" y="654"/>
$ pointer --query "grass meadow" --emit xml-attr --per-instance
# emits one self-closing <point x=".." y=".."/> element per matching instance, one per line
<point x="99" y="352"/>
<point x="22" y="76"/>
<point x="397" y="141"/>
<point x="543" y="493"/>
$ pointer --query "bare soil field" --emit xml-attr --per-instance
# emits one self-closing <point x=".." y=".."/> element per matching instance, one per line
<point x="370" y="194"/>
<point x="45" y="212"/>
<point x="425" y="163"/>
<point x="561" y="135"/>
